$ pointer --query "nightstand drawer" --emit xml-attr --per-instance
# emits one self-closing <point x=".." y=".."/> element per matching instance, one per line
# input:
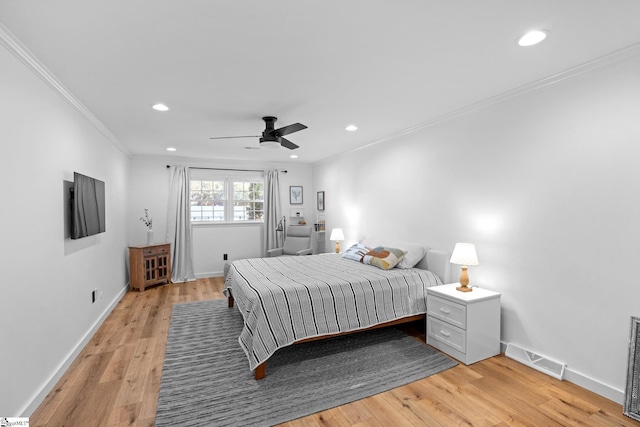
<point x="446" y="334"/>
<point x="448" y="311"/>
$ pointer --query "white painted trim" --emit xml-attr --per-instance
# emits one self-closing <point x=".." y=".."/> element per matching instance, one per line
<point x="595" y="386"/>
<point x="21" y="52"/>
<point x="586" y="382"/>
<point x="30" y="407"/>
<point x="206" y="275"/>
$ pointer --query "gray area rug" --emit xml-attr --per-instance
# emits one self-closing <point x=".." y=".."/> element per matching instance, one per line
<point x="206" y="379"/>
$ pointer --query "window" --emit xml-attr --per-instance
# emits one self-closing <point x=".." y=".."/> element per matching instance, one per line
<point x="207" y="200"/>
<point x="231" y="198"/>
<point x="248" y="201"/>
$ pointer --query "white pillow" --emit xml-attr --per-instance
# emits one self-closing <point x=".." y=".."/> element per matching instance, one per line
<point x="413" y="254"/>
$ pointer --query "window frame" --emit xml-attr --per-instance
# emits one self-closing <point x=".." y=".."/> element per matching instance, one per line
<point x="229" y="178"/>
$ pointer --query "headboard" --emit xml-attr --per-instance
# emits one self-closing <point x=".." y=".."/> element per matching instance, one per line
<point x="437" y="261"/>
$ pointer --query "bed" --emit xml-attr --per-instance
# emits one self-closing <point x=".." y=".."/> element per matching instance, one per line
<point x="289" y="300"/>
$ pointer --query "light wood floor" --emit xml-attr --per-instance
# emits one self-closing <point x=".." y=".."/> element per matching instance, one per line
<point x="116" y="378"/>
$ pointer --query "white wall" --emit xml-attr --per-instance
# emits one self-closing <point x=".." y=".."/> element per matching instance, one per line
<point x="47" y="314"/>
<point x="546" y="186"/>
<point x="149" y="188"/>
<point x="47" y="278"/>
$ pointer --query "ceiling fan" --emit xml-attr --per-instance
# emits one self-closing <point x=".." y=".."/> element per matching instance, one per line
<point x="272" y="137"/>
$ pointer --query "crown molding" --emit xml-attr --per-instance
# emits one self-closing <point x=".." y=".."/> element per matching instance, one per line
<point x="13" y="45"/>
<point x="571" y="73"/>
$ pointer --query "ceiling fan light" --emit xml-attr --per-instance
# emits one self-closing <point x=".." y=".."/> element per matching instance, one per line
<point x="269" y="144"/>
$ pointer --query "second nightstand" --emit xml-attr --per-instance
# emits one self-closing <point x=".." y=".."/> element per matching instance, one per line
<point x="465" y="325"/>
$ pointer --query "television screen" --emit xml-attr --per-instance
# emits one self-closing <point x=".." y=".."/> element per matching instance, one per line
<point x="87" y="206"/>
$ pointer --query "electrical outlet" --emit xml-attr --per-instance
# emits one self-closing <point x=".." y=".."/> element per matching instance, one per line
<point x="93" y="295"/>
<point x="224" y="257"/>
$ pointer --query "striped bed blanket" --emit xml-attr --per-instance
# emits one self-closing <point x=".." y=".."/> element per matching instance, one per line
<point x="286" y="299"/>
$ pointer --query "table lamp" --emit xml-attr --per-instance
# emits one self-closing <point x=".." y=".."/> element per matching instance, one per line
<point x="337" y="235"/>
<point x="464" y="254"/>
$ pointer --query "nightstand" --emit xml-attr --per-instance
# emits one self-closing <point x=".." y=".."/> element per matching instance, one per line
<point x="465" y="325"/>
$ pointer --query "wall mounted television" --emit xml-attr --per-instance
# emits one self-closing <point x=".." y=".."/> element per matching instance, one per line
<point x="87" y="206"/>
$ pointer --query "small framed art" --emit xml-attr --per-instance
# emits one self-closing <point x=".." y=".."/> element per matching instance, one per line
<point x="295" y="194"/>
<point x="320" y="200"/>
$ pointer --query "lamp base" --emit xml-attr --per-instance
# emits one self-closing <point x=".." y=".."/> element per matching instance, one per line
<point x="464" y="280"/>
<point x="337" y="247"/>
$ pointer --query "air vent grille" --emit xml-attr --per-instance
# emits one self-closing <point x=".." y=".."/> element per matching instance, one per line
<point x="536" y="361"/>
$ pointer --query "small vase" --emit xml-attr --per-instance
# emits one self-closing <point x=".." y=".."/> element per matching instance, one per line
<point x="149" y="237"/>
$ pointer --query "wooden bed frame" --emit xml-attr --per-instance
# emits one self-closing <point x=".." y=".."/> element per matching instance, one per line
<point x="436" y="261"/>
<point x="261" y="370"/>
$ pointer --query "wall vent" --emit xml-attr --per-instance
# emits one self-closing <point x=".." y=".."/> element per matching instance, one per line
<point x="536" y="361"/>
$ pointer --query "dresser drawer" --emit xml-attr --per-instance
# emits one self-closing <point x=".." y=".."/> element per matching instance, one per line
<point x="155" y="250"/>
<point x="448" y="311"/>
<point x="447" y="334"/>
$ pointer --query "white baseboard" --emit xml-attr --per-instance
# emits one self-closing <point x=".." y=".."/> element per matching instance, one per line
<point x="588" y="383"/>
<point x="39" y="397"/>
<point x="209" y="274"/>
<point x="595" y="386"/>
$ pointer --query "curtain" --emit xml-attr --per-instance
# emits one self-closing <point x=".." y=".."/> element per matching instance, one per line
<point x="179" y="226"/>
<point x="271" y="209"/>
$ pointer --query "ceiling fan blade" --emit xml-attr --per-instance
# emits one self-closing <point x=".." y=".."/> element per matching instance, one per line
<point x="288" y="144"/>
<point x="231" y="137"/>
<point x="289" y="129"/>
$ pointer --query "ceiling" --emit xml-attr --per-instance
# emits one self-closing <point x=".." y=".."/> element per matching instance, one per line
<point x="385" y="66"/>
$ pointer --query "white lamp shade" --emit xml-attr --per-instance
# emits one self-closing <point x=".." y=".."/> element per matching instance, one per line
<point x="464" y="254"/>
<point x="336" y="234"/>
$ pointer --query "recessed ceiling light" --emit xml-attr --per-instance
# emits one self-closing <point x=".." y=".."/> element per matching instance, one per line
<point x="171" y="149"/>
<point x="294" y="156"/>
<point x="160" y="107"/>
<point x="352" y="128"/>
<point x="532" y="37"/>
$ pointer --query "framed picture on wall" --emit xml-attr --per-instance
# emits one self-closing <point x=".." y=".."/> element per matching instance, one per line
<point x="320" y="200"/>
<point x="295" y="194"/>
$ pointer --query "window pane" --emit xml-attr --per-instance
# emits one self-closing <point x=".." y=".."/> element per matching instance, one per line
<point x="209" y="199"/>
<point x="244" y="196"/>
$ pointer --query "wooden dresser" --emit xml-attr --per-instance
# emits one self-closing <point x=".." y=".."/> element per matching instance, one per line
<point x="149" y="265"/>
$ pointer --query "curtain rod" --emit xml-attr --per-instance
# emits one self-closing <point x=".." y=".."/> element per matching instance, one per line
<point x="223" y="169"/>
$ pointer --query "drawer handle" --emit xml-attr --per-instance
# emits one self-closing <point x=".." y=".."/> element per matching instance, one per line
<point x="445" y="310"/>
<point x="445" y="333"/>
